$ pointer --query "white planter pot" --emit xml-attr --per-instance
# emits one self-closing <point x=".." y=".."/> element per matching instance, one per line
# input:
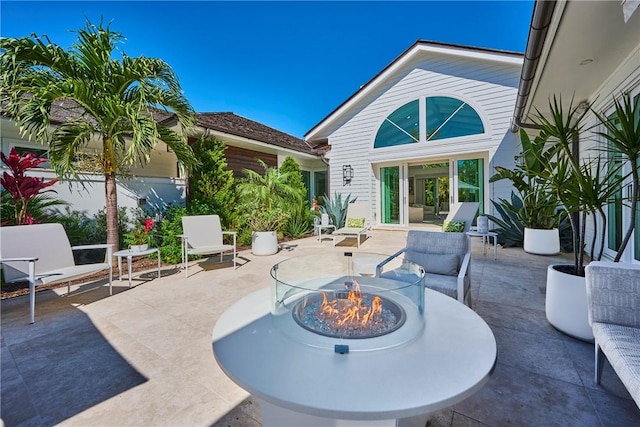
<point x="542" y="242"/>
<point x="138" y="248"/>
<point x="566" y="304"/>
<point x="264" y="242"/>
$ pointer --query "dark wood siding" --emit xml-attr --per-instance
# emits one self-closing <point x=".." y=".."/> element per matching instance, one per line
<point x="240" y="158"/>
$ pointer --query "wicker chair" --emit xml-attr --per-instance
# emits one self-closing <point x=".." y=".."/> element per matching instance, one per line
<point x="613" y="294"/>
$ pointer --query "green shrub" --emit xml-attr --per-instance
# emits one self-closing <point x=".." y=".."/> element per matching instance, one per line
<point x="170" y="228"/>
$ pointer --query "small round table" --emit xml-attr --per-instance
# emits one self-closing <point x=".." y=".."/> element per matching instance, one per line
<point x="299" y="384"/>
<point x="129" y="254"/>
<point x="485" y="239"/>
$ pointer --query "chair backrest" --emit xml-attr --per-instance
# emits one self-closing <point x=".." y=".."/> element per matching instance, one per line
<point x="202" y="230"/>
<point x="358" y="211"/>
<point x="421" y="244"/>
<point x="464" y="212"/>
<point x="48" y="242"/>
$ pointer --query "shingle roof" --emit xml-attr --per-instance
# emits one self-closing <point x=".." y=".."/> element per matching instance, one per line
<point x="237" y="125"/>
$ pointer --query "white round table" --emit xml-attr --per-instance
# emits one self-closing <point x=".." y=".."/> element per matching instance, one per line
<point x="298" y="384"/>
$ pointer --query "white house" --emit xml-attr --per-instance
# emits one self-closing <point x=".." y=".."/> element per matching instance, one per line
<point x="425" y="132"/>
<point x="588" y="51"/>
<point x="161" y="182"/>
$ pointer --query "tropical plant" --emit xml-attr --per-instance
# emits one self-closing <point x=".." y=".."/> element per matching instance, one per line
<point x="540" y="208"/>
<point x="267" y="220"/>
<point x="117" y="99"/>
<point x="579" y="184"/>
<point x="336" y="208"/>
<point x="211" y="184"/>
<point x="170" y="229"/>
<point x="510" y="226"/>
<point x="22" y="195"/>
<point x="300" y="222"/>
<point x="263" y="197"/>
<point x="623" y="136"/>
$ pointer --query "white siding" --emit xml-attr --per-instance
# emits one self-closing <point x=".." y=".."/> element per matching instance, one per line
<point x="487" y="86"/>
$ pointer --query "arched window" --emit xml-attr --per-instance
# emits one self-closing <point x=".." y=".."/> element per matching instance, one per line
<point x="400" y="127"/>
<point x="445" y="118"/>
<point x="450" y="117"/>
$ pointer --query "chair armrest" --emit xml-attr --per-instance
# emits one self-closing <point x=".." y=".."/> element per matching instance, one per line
<point x="25" y="259"/>
<point x="107" y="246"/>
<point x="231" y="233"/>
<point x="98" y="246"/>
<point x="464" y="270"/>
<point x="386" y="261"/>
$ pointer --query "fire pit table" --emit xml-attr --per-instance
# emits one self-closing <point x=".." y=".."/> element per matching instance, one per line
<point x="329" y="345"/>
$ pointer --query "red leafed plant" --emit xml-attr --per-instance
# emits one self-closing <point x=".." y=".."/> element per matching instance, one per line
<point x="23" y="189"/>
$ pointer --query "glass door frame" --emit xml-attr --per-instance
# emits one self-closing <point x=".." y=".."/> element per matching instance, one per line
<point x="403" y="189"/>
<point x="629" y="255"/>
<point x="454" y="181"/>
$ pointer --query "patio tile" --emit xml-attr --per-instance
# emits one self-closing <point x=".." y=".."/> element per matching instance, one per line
<point x="530" y="320"/>
<point x="517" y="397"/>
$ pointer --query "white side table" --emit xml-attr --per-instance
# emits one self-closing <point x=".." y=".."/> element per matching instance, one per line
<point x="320" y="227"/>
<point x="486" y="239"/>
<point x="129" y="254"/>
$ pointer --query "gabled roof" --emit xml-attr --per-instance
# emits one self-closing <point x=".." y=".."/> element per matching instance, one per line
<point x="418" y="47"/>
<point x="240" y="126"/>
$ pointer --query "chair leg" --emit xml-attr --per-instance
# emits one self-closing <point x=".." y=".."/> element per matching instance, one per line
<point x="599" y="363"/>
<point x="32" y="291"/>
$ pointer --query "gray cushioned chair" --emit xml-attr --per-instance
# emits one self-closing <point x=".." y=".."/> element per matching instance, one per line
<point x="613" y="294"/>
<point x="445" y="258"/>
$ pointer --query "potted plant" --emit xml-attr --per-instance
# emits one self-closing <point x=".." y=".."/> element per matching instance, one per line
<point x="140" y="238"/>
<point x="540" y="211"/>
<point x="264" y="223"/>
<point x="263" y="200"/>
<point x="583" y="187"/>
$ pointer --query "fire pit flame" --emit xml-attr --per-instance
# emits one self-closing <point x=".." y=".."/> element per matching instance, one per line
<point x="349" y="314"/>
<point x="350" y="310"/>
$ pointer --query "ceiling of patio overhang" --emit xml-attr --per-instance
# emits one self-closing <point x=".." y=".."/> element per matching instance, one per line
<point x="584" y="30"/>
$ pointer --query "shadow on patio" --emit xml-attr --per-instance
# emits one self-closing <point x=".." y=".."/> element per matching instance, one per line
<point x="61" y="365"/>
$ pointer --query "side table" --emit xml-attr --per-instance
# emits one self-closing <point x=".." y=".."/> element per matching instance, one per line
<point x="129" y="254"/>
<point x="320" y="227"/>
<point x="486" y="239"/>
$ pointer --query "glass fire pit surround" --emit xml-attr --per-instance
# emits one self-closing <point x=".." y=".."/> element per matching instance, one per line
<point x="343" y="302"/>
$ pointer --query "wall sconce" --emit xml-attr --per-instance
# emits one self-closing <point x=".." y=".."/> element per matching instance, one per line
<point x="347" y="174"/>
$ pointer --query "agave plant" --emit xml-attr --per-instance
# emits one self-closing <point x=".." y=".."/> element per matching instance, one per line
<point x="336" y="208"/>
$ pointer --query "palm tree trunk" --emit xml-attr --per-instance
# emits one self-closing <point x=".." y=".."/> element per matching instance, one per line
<point x="111" y="192"/>
<point x="111" y="198"/>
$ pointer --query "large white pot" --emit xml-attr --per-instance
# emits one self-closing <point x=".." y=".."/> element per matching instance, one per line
<point x="566" y="304"/>
<point x="264" y="242"/>
<point x="542" y="242"/>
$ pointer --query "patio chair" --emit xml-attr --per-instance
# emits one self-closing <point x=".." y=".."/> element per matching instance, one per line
<point x="445" y="258"/>
<point x="202" y="235"/>
<point x="356" y="223"/>
<point x="613" y="296"/>
<point x="461" y="212"/>
<point x="41" y="254"/>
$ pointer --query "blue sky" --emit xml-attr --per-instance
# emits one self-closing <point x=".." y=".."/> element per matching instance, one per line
<point x="285" y="64"/>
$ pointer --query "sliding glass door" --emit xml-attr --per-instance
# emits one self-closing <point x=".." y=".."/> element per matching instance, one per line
<point x="390" y="194"/>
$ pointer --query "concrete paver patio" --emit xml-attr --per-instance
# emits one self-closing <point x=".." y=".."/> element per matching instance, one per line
<point x="143" y="356"/>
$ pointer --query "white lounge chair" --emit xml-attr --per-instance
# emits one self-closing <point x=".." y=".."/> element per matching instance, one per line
<point x="356" y="224"/>
<point x="203" y="236"/>
<point x="41" y="254"/>
<point x="462" y="212"/>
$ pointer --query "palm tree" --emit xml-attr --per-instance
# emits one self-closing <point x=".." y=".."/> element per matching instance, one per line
<point x="112" y="99"/>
